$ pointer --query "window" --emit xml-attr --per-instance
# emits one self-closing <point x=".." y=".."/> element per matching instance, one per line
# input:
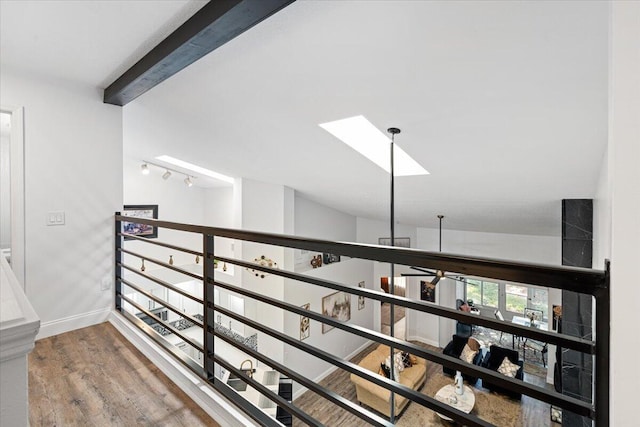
<point x="483" y="293"/>
<point x="516" y="298"/>
<point x="507" y="297"/>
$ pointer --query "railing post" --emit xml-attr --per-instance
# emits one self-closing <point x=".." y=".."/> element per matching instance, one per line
<point x="207" y="297"/>
<point x="118" y="269"/>
<point x="602" y="339"/>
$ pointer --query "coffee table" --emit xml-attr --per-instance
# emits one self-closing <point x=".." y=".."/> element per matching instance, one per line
<point x="463" y="402"/>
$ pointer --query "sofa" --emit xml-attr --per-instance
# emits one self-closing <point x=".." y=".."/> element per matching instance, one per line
<point x="454" y="349"/>
<point x="376" y="397"/>
<point x="493" y="359"/>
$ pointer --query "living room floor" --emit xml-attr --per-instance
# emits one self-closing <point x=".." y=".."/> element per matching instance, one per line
<point x="492" y="407"/>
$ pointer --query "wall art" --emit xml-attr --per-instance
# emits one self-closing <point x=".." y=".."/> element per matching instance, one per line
<point x="141" y="230"/>
<point x="305" y="329"/>
<point x="427" y="291"/>
<point x="330" y="258"/>
<point x="337" y="306"/>
<point x="401" y="242"/>
<point x="360" y="297"/>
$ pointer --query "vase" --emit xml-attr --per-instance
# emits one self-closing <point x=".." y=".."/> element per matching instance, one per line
<point x="459" y="383"/>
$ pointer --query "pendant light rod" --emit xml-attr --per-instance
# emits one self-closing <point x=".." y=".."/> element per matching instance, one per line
<point x="440" y="244"/>
<point x="393" y="132"/>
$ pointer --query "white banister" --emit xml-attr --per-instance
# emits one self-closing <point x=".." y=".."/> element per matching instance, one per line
<point x="19" y="325"/>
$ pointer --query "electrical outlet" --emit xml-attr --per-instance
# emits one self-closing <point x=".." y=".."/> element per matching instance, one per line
<point x="105" y="284"/>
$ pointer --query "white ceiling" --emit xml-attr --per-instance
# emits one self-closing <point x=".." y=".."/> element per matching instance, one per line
<point x="505" y="103"/>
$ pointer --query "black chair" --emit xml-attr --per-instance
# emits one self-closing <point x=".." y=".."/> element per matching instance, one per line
<point x="493" y="359"/>
<point x="462" y="329"/>
<point x="454" y="349"/>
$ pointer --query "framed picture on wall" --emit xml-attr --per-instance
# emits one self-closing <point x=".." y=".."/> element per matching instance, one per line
<point x="427" y="291"/>
<point x="305" y="330"/>
<point x="360" y="297"/>
<point x="338" y="306"/>
<point x="136" y="229"/>
<point x="401" y="242"/>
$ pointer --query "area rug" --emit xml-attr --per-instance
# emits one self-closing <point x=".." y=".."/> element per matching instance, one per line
<point x="491" y="407"/>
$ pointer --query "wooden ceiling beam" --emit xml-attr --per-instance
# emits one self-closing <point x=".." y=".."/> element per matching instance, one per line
<point x="216" y="23"/>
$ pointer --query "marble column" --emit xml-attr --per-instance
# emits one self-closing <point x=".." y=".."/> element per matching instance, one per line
<point x="577" y="251"/>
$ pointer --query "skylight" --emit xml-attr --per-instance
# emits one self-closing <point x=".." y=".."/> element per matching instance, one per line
<point x="358" y="133"/>
<point x="195" y="168"/>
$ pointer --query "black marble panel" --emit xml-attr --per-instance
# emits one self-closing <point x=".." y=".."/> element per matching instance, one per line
<point x="577" y="219"/>
<point x="577" y="253"/>
<point x="577" y="309"/>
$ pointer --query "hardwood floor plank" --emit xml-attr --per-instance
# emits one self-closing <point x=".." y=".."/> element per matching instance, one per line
<point x="94" y="376"/>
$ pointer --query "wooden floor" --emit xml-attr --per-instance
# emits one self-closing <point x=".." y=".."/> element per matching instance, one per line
<point x="534" y="413"/>
<point x="95" y="377"/>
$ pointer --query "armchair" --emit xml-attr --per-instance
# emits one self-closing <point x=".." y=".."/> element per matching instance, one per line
<point x="493" y="359"/>
<point x="454" y="349"/>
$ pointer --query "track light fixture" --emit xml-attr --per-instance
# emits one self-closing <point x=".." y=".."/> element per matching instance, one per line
<point x="188" y="181"/>
<point x="166" y="175"/>
<point x="145" y="169"/>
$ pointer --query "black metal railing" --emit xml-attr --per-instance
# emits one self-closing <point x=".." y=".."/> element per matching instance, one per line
<point x="592" y="282"/>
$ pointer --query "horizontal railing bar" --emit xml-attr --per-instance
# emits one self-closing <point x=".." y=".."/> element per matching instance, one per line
<point x="159" y="339"/>
<point x="232" y="396"/>
<point x="344" y="403"/>
<point x="574" y="405"/>
<point x="562" y="340"/>
<point x="157" y="243"/>
<point x="162" y="302"/>
<point x="177" y="332"/>
<point x="162" y="263"/>
<point x="274" y="397"/>
<point x="351" y="367"/>
<point x="574" y="279"/>
<point x="161" y="282"/>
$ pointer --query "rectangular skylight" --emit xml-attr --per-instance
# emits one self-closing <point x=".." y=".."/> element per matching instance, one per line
<point x="358" y="133"/>
<point x="195" y="168"/>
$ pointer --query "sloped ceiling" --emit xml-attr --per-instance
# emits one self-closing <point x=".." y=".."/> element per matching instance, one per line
<point x="505" y="103"/>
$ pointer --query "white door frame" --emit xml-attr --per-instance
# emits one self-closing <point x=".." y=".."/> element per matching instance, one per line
<point x="17" y="193"/>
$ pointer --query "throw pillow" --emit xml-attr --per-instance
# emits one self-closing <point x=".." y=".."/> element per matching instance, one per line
<point x="394" y="366"/>
<point x="397" y="362"/>
<point x="384" y="371"/>
<point x="413" y="359"/>
<point x="508" y="368"/>
<point x="406" y="359"/>
<point x="467" y="354"/>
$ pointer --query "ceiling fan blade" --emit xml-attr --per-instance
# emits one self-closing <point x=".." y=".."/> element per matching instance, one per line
<point x="424" y="270"/>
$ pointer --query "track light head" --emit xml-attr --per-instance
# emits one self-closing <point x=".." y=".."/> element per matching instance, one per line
<point x="166" y="175"/>
<point x="145" y="169"/>
<point x="188" y="181"/>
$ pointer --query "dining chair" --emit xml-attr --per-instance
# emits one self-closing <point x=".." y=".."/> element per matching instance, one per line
<point x="500" y="317"/>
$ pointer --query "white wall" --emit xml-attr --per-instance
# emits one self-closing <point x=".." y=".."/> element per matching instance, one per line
<point x="73" y="163"/>
<point x="5" y="192"/>
<point x="370" y="230"/>
<point x="176" y="202"/>
<point x="336" y="342"/>
<point x="515" y="247"/>
<point x="321" y="222"/>
<point x="624" y="177"/>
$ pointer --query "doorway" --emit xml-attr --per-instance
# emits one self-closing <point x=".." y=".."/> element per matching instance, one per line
<point x="12" y="236"/>
<point x="399" y="312"/>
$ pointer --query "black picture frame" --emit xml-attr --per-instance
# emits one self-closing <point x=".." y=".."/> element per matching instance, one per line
<point x="400" y="242"/>
<point x="427" y="291"/>
<point x="136" y="229"/>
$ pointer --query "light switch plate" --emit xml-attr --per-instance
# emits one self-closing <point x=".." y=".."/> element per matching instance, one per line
<point x="55" y="218"/>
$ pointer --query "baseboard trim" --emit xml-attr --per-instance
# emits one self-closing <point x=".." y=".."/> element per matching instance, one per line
<point x="213" y="403"/>
<point x="71" y="323"/>
<point x="423" y="340"/>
